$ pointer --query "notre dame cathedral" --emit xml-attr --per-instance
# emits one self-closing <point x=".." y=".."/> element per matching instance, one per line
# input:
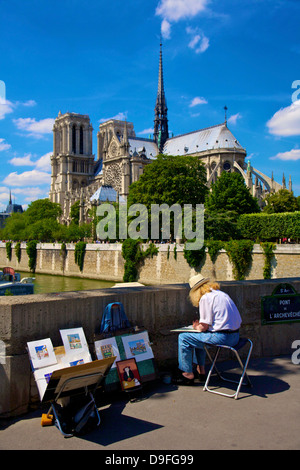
<point x="122" y="157"/>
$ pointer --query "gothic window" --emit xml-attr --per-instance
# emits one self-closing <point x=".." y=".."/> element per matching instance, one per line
<point x="227" y="166"/>
<point x="73" y="139"/>
<point x="74" y="167"/>
<point x="81" y="140"/>
<point x="81" y="167"/>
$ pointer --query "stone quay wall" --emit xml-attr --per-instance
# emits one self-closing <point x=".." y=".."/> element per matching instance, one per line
<point x="156" y="308"/>
<point x="105" y="262"/>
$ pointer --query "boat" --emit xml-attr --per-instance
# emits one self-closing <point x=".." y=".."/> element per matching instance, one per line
<point x="12" y="284"/>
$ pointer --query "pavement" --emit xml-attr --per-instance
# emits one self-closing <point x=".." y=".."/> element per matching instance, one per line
<point x="168" y="418"/>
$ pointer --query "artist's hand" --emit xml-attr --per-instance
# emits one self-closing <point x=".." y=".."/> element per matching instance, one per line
<point x="200" y="326"/>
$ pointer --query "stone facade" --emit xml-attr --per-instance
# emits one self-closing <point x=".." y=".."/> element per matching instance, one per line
<point x="105" y="262"/>
<point x="72" y="162"/>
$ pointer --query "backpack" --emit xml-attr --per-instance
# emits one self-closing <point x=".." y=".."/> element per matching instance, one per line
<point x="114" y="318"/>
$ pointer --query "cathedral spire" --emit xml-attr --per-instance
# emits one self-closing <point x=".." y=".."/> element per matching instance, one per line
<point x="161" y="133"/>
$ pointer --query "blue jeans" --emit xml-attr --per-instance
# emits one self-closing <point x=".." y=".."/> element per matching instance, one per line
<point x="188" y="343"/>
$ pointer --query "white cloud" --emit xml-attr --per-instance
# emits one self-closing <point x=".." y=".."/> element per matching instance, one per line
<point x="3" y="145"/>
<point x="166" y="29"/>
<point x="29" y="103"/>
<point x="196" y="101"/>
<point x="293" y="155"/>
<point x="233" y="119"/>
<point x="27" y="178"/>
<point x="199" y="42"/>
<point x="43" y="163"/>
<point x="28" y="194"/>
<point x="286" y="121"/>
<point x="4" y="196"/>
<point x="175" y="10"/>
<point x="172" y="11"/>
<point x="31" y="193"/>
<point x="6" y="107"/>
<point x="22" y="161"/>
<point x="35" y="128"/>
<point x="150" y="130"/>
<point x="118" y="117"/>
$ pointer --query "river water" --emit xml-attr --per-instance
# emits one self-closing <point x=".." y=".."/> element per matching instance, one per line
<point x="47" y="283"/>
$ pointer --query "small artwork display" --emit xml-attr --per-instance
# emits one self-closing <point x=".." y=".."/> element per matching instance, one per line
<point x="73" y="339"/>
<point x="107" y="348"/>
<point x="42" y="378"/>
<point x="76" y="346"/>
<point x="41" y="353"/>
<point x="128" y="374"/>
<point x="138" y="346"/>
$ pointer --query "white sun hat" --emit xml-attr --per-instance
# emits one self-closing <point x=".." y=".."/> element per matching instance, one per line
<point x="197" y="281"/>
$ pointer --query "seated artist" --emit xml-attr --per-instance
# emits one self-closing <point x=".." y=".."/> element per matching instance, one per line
<point x="219" y="323"/>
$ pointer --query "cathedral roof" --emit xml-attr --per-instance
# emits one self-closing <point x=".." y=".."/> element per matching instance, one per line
<point x="146" y="147"/>
<point x="215" y="137"/>
<point x="106" y="194"/>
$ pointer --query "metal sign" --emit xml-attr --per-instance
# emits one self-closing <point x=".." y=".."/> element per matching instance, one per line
<point x="283" y="306"/>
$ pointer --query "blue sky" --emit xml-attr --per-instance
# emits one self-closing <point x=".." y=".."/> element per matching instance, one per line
<point x="101" y="58"/>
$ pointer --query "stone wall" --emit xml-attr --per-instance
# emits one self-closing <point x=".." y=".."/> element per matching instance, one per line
<point x="157" y="308"/>
<point x="105" y="262"/>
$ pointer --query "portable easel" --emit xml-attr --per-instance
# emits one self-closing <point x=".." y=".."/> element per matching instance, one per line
<point x="83" y="379"/>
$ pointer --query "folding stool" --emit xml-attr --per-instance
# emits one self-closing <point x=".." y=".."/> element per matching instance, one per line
<point x="242" y="342"/>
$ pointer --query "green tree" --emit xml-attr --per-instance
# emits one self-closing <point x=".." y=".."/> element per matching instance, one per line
<point x="170" y="180"/>
<point x="282" y="201"/>
<point x="42" y="209"/>
<point x="15" y="227"/>
<point x="221" y="225"/>
<point x="229" y="193"/>
<point x="74" y="213"/>
<point x="38" y="222"/>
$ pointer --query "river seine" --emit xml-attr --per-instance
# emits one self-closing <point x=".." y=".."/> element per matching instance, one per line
<point x="47" y="283"/>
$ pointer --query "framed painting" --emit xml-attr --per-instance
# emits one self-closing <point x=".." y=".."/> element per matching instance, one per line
<point x="138" y="346"/>
<point x="107" y="348"/>
<point x="128" y="374"/>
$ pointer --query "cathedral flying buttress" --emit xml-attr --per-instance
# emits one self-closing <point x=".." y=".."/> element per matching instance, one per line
<point x="122" y="157"/>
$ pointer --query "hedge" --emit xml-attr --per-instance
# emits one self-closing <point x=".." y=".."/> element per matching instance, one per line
<point x="270" y="226"/>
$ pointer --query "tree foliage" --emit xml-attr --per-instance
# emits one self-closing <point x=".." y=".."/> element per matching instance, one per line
<point x="282" y="201"/>
<point x="221" y="225"/>
<point x="229" y="193"/>
<point x="74" y="212"/>
<point x="240" y="255"/>
<point x="40" y="222"/>
<point x="170" y="180"/>
<point x="270" y="226"/>
<point x="42" y="209"/>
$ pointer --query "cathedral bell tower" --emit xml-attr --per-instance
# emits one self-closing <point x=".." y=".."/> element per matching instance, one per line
<point x="161" y="132"/>
<point x="72" y="161"/>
